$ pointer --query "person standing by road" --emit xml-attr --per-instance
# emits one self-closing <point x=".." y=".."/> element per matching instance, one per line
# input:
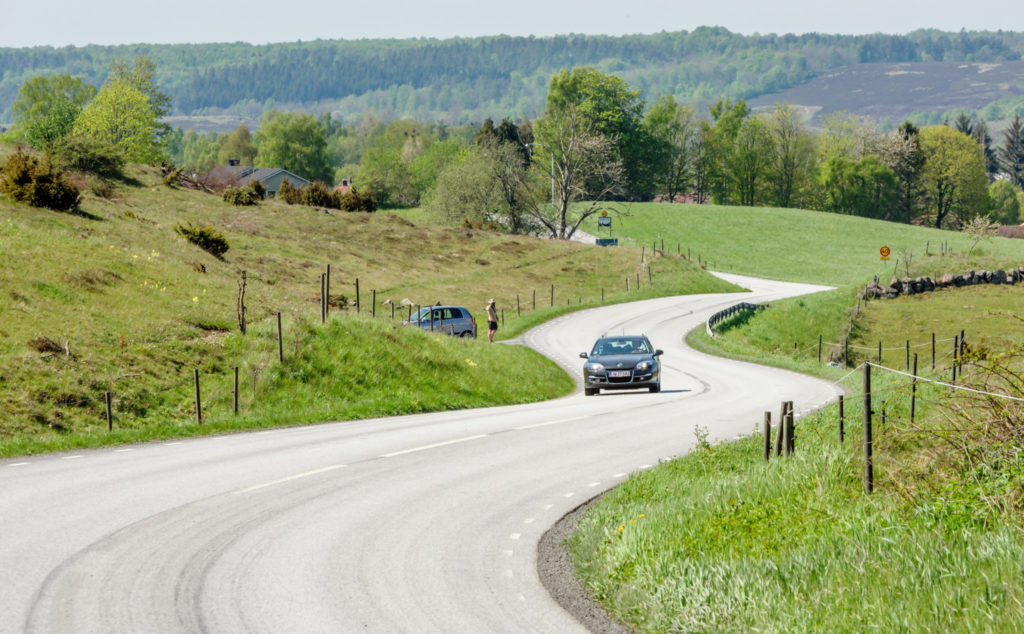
<point x="492" y="320"/>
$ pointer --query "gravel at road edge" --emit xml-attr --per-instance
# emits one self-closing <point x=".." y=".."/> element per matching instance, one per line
<point x="557" y="573"/>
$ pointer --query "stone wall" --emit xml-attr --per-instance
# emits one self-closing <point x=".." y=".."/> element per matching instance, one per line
<point x="908" y="286"/>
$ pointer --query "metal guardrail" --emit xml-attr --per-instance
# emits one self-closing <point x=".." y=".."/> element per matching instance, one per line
<point x="729" y="312"/>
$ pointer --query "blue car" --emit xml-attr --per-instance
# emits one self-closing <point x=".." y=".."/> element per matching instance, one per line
<point x="621" y="363"/>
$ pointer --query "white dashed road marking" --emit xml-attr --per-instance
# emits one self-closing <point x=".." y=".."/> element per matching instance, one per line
<point x="433" y="446"/>
<point x="289" y="478"/>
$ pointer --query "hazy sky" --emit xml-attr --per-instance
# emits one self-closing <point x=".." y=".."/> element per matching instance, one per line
<point x="80" y="22"/>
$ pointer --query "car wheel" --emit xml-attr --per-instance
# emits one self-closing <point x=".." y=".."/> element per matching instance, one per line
<point x="591" y="391"/>
<point x="466" y="334"/>
<point x="655" y="388"/>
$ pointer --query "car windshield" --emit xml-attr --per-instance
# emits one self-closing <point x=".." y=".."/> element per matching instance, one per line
<point x="621" y="345"/>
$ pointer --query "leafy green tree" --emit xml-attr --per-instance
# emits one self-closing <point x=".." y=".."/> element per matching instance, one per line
<point x="1004" y="202"/>
<point x="1011" y="154"/>
<point x="748" y="161"/>
<point x="425" y="168"/>
<point x="673" y="129"/>
<point x="791" y="163"/>
<point x="121" y="117"/>
<point x="46" y="107"/>
<point x="466" y="190"/>
<point x="237" y="146"/>
<point x="385" y="169"/>
<point x="296" y="142"/>
<point x="141" y="75"/>
<point x="865" y="187"/>
<point x="720" y="144"/>
<point x="608" y="107"/>
<point x="955" y="184"/>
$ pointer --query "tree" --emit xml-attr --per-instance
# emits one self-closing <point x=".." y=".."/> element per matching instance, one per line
<point x="792" y="154"/>
<point x="1004" y="203"/>
<point x="719" y="144"/>
<point x="901" y="152"/>
<point x="607" y="107"/>
<point x="296" y="142"/>
<point x="673" y="129"/>
<point x="141" y="75"/>
<point x="1011" y="155"/>
<point x="581" y="165"/>
<point x="46" y="107"/>
<point x="748" y="161"/>
<point x="466" y="190"/>
<point x="121" y="117"/>
<point x="237" y="146"/>
<point x="860" y="188"/>
<point x="953" y="175"/>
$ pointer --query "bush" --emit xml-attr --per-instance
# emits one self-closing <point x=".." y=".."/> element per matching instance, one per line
<point x="317" y="195"/>
<point x="206" y="238"/>
<point x="84" y="154"/>
<point x="289" y="193"/>
<point x="24" y="179"/>
<point x="251" y="194"/>
<point x="354" y="201"/>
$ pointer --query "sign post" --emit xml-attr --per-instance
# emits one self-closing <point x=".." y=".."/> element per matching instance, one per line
<point x="884" y="251"/>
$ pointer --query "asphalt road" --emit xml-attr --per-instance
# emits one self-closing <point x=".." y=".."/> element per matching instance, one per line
<point x="426" y="523"/>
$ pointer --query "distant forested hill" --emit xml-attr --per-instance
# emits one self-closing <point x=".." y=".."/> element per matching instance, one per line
<point x="460" y="80"/>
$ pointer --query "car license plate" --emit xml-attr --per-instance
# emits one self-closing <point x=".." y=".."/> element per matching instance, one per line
<point x="618" y="374"/>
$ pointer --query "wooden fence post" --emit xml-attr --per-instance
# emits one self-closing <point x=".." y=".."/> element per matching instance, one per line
<point x="879" y="353"/>
<point x="842" y="421"/>
<point x="779" y="433"/>
<point x="323" y="298"/>
<point x="552" y="295"/>
<point x="328" y="291"/>
<point x="933" y="352"/>
<point x="819" y="349"/>
<point x="110" y="412"/>
<point x="357" y="295"/>
<point x="869" y="476"/>
<point x="767" y="436"/>
<point x="199" y="403"/>
<point x="627" y="284"/>
<point x="790" y="429"/>
<point x="956" y="348"/>
<point x="908" y="355"/>
<point x="280" y="339"/>
<point x="236" y="389"/>
<point x="392" y="311"/>
<point x="602" y="294"/>
<point x="518" y="312"/>
<point x="913" y="391"/>
<point x="535" y="299"/>
<point x="373" y="310"/>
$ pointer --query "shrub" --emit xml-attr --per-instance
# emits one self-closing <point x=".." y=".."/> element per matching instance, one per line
<point x="206" y="238"/>
<point x="289" y="193"/>
<point x="249" y="195"/>
<point x="24" y="179"/>
<point x="352" y="200"/>
<point x="317" y="195"/>
<point x="84" y="154"/>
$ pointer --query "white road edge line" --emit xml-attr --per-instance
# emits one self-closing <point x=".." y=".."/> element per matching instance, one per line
<point x="552" y="422"/>
<point x="18" y="464"/>
<point x="288" y="479"/>
<point x="433" y="446"/>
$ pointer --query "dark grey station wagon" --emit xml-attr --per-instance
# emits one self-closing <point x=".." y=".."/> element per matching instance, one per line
<point x="621" y="363"/>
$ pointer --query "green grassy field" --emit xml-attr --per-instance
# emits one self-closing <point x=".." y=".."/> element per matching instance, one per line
<point x="720" y="541"/>
<point x="800" y="245"/>
<point x="113" y="299"/>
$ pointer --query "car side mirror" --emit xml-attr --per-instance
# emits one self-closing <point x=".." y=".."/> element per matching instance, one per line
<point x="583" y="355"/>
<point x="658" y="353"/>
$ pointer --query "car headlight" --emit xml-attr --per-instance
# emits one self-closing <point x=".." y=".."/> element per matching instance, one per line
<point x="594" y="367"/>
<point x="644" y="366"/>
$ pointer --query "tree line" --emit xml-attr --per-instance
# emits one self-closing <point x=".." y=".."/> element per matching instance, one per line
<point x="597" y="141"/>
<point x="446" y="78"/>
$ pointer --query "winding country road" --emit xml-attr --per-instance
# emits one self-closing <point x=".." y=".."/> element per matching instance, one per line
<point x="426" y="523"/>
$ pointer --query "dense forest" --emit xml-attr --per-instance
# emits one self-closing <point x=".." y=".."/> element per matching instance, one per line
<point x="467" y="79"/>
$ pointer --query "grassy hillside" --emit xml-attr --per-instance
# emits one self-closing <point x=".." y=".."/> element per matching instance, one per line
<point x="720" y="541"/>
<point x="113" y="299"/>
<point x="803" y="246"/>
